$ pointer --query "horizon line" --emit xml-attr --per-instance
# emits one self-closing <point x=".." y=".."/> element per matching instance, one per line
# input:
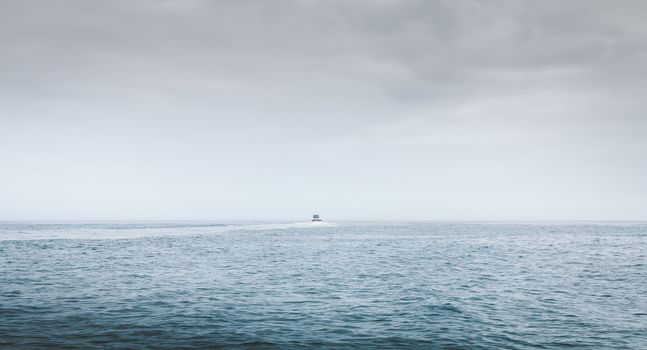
<point x="340" y="220"/>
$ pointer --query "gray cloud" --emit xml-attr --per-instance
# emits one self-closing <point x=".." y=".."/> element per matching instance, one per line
<point x="362" y="109"/>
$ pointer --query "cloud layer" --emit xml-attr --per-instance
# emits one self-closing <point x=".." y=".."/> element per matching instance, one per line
<point x="361" y="110"/>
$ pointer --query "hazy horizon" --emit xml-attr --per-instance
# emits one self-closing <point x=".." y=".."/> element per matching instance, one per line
<point x="366" y="110"/>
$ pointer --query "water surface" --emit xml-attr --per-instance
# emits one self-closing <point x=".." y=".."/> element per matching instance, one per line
<point x="346" y="285"/>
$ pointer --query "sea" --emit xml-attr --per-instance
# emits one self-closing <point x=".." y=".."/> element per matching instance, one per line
<point x="342" y="285"/>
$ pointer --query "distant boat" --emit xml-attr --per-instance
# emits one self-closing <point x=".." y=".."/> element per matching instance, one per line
<point x="316" y="218"/>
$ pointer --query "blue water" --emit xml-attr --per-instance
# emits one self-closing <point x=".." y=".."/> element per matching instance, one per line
<point x="345" y="285"/>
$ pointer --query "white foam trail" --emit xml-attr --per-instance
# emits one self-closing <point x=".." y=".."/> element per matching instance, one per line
<point x="42" y="232"/>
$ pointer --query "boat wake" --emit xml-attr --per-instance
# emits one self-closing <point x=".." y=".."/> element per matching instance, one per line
<point x="130" y="230"/>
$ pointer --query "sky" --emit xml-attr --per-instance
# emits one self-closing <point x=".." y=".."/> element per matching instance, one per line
<point x="357" y="110"/>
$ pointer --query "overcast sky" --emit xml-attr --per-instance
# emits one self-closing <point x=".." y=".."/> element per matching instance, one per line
<point x="375" y="109"/>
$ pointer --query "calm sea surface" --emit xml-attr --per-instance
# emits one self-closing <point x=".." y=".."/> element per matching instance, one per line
<point x="346" y="285"/>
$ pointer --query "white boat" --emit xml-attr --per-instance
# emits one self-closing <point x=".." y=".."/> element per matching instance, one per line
<point x="316" y="218"/>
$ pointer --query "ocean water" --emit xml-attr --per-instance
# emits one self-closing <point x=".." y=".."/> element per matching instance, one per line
<point x="204" y="285"/>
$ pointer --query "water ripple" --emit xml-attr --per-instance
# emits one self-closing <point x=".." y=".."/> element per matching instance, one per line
<point x="355" y="285"/>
